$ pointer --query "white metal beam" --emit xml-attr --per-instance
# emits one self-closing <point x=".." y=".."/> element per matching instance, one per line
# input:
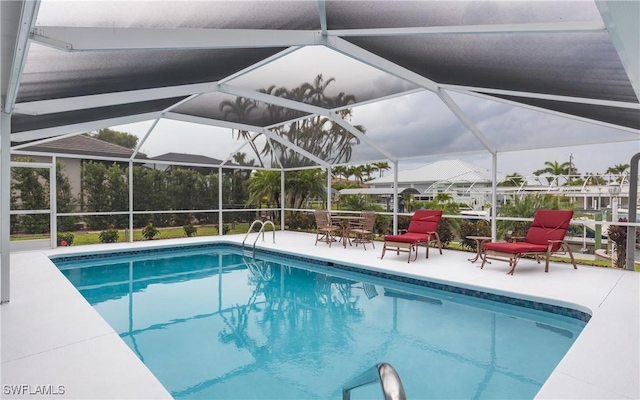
<point x="28" y="17"/>
<point x="552" y="112"/>
<point x="110" y="99"/>
<point x="261" y="63"/>
<point x="311" y="109"/>
<point x="246" y="143"/>
<point x="244" y="127"/>
<point x="358" y="53"/>
<point x="100" y="38"/>
<point x="294" y="147"/>
<point x="43" y="141"/>
<point x="363" y="138"/>
<point x="622" y="21"/>
<point x="457" y="111"/>
<point x="5" y="205"/>
<point x="82" y="127"/>
<point x="541" y="96"/>
<point x="211" y="122"/>
<point x="475" y="29"/>
<point x="322" y="12"/>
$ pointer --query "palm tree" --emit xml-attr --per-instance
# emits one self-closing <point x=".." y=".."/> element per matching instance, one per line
<point x="619" y="170"/>
<point x="318" y="134"/>
<point x="367" y="170"/>
<point x="356" y="171"/>
<point x="555" y="169"/>
<point x="302" y="185"/>
<point x="242" y="109"/>
<point x="381" y="167"/>
<point x="338" y="171"/>
<point x="240" y="158"/>
<point x="513" y="180"/>
<point x="595" y="179"/>
<point x="264" y="188"/>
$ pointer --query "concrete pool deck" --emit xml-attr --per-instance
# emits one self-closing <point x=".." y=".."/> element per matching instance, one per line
<point x="51" y="336"/>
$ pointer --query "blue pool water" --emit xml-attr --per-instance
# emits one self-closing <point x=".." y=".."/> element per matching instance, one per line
<point x="212" y="323"/>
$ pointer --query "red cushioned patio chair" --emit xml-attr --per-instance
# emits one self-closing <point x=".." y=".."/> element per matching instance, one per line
<point x="545" y="237"/>
<point x="422" y="231"/>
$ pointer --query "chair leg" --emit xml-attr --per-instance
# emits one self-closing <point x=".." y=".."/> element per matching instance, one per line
<point x="568" y="250"/>
<point x="512" y="263"/>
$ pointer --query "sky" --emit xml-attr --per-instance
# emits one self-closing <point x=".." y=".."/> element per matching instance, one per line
<point x="416" y="126"/>
<point x="219" y="143"/>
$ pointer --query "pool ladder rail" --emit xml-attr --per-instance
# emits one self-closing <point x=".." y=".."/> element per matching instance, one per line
<point x="263" y="224"/>
<point x="392" y="388"/>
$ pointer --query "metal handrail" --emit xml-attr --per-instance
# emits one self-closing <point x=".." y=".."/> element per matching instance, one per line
<point x="392" y="388"/>
<point x="263" y="224"/>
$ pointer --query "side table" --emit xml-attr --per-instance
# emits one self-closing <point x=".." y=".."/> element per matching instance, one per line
<point x="479" y="241"/>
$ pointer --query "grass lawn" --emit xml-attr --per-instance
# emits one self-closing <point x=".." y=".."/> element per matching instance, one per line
<point x="93" y="237"/>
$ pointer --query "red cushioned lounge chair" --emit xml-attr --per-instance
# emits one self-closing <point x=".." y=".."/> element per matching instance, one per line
<point x="546" y="236"/>
<point x="422" y="231"/>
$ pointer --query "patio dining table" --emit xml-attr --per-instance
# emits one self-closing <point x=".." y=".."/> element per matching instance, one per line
<point x="345" y="222"/>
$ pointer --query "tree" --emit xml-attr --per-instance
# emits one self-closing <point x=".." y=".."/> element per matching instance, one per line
<point x="367" y="170"/>
<point x="264" y="188"/>
<point x="381" y="167"/>
<point x="150" y="193"/>
<point x="338" y="171"/>
<point x="318" y="135"/>
<point x="29" y="192"/>
<point x="184" y="189"/>
<point x="513" y="180"/>
<point x="65" y="201"/>
<point x="105" y="190"/>
<point x="555" y="169"/>
<point x="619" y="170"/>
<point x="123" y="139"/>
<point x="595" y="180"/>
<point x="242" y="109"/>
<point x="302" y="185"/>
<point x="356" y="171"/>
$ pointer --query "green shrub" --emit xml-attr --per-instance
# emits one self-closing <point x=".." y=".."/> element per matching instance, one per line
<point x="476" y="228"/>
<point x="300" y="221"/>
<point x="150" y="231"/>
<point x="190" y="230"/>
<point x="225" y="229"/>
<point x="618" y="235"/>
<point x="109" y="236"/>
<point x="65" y="238"/>
<point x="445" y="231"/>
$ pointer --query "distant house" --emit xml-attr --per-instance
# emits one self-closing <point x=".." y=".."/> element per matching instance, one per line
<point x="86" y="146"/>
<point x="461" y="180"/>
<point x="171" y="161"/>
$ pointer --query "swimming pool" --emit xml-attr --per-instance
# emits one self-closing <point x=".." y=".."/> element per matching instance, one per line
<point x="212" y="323"/>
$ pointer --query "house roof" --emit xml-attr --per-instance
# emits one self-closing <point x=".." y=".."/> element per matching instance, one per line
<point x="77" y="66"/>
<point x="186" y="158"/>
<point x="439" y="171"/>
<point x="83" y="145"/>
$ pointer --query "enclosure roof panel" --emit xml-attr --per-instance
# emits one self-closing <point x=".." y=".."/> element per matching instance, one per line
<point x="367" y="74"/>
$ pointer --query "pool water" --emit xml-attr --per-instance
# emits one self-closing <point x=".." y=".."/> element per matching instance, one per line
<point x="218" y="324"/>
